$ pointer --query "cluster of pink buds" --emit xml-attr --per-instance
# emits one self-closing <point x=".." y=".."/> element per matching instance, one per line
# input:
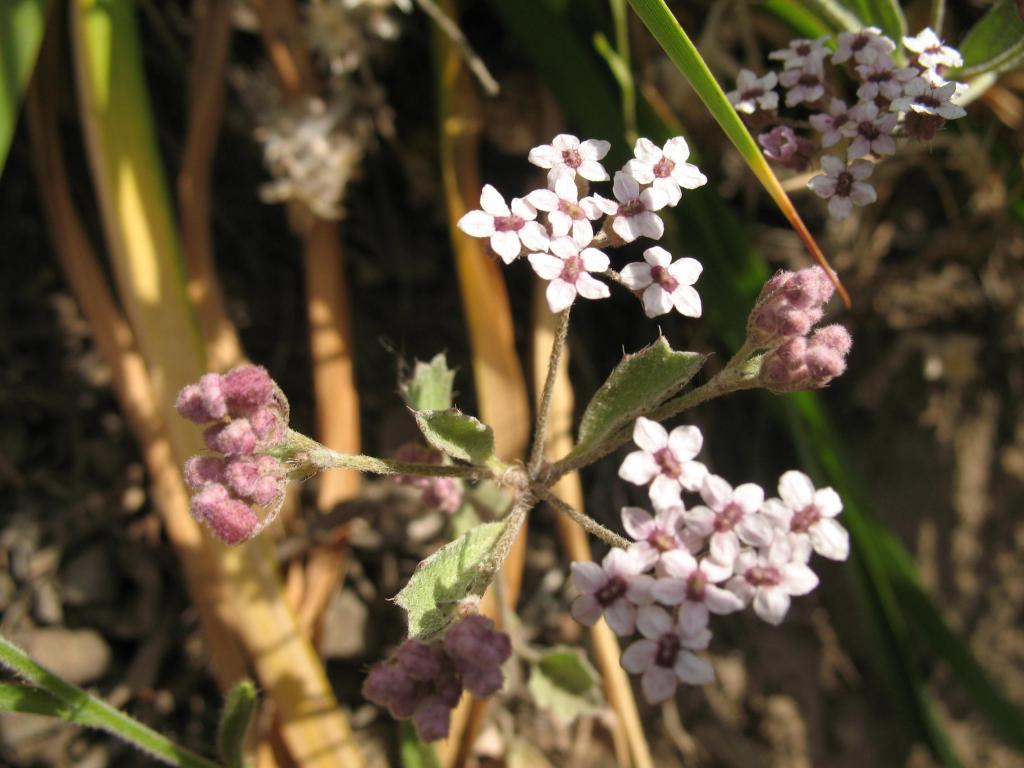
<point x="562" y="246"/>
<point x="443" y="493"/>
<point x="424" y="681"/>
<point x="734" y="549"/>
<point x="789" y="306"/>
<point x="250" y="416"/>
<point x="891" y="102"/>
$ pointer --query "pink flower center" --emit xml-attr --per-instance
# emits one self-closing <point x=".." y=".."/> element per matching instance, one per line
<point x="762" y="575"/>
<point x="572" y="269"/>
<point x="880" y="77"/>
<point x="844" y="184"/>
<point x="663" y="541"/>
<point x="840" y="120"/>
<point x="727" y="519"/>
<point x="572" y="210"/>
<point x="631" y="207"/>
<point x="695" y="584"/>
<point x="928" y="100"/>
<point x="859" y="42"/>
<point x="809" y="80"/>
<point x="868" y="130"/>
<point x="667" y="461"/>
<point x="803" y="49"/>
<point x="752" y="94"/>
<point x="804" y="519"/>
<point x="613" y="589"/>
<point x="511" y="223"/>
<point x="663" y="168"/>
<point x="661" y="276"/>
<point x="571" y="157"/>
<point x="668" y="650"/>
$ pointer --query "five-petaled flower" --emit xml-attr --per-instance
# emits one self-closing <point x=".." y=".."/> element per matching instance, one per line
<point x="753" y="93"/>
<point x="566" y="155"/>
<point x="665" y="169"/>
<point x="568" y="268"/>
<point x="665" y="460"/>
<point x="663" y="657"/>
<point x="808" y="517"/>
<point x="769" y="578"/>
<point x="613" y="589"/>
<point x="666" y="284"/>
<point x="843" y="185"/>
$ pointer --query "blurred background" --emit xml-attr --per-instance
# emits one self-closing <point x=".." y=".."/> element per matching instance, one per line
<point x="188" y="185"/>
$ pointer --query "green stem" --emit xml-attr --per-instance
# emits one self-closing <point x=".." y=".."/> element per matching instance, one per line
<point x="544" y="409"/>
<point x="98" y="713"/>
<point x="587" y="523"/>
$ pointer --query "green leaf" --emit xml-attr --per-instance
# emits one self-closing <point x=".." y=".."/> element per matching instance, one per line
<point x="458" y="435"/>
<point x="886" y="14"/>
<point x="33" y="701"/>
<point x="22" y="23"/>
<point x="639" y="382"/>
<point x="234" y="722"/>
<point x="460" y="569"/>
<point x="416" y="753"/>
<point x="995" y="43"/>
<point x="565" y="683"/>
<point x="430" y="386"/>
<point x="804" y="21"/>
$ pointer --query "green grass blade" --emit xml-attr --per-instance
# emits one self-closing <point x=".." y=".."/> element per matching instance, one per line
<point x="886" y="14"/>
<point x="22" y="23"/>
<point x="657" y="17"/>
<point x="801" y="19"/>
<point x="995" y="43"/>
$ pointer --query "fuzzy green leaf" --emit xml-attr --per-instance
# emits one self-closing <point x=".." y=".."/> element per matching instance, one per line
<point x="460" y="569"/>
<point x="234" y="722"/>
<point x="565" y="683"/>
<point x="641" y="381"/>
<point x="996" y="42"/>
<point x="429" y="388"/>
<point x="460" y="436"/>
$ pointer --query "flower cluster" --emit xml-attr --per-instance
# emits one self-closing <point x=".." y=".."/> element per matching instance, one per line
<point x="563" y="248"/>
<point x="424" y="681"/>
<point x="891" y="102"/>
<point x="250" y="416"/>
<point x="443" y="493"/>
<point x="789" y="306"/>
<point x="734" y="549"/>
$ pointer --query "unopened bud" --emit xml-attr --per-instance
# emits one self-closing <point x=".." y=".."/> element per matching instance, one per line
<point x="201" y="471"/>
<point x="247" y="388"/>
<point x="232" y="439"/>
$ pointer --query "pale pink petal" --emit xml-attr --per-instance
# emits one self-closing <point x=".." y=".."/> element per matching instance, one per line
<point x="586" y="610"/>
<point x="678" y="564"/>
<point x="636" y="275"/>
<point x="840" y="207"/>
<point x="755" y="530"/>
<point x="716" y="492"/>
<point x="638" y="522"/>
<point x="588" y="577"/>
<point x="796" y="489"/>
<point x="657" y="301"/>
<point x="693" y="669"/>
<point x="594" y="149"/>
<point x="523" y="209"/>
<point x="687" y="301"/>
<point x="823" y="186"/>
<point x="534" y="236"/>
<point x="646" y="151"/>
<point x="564" y="247"/>
<point x="507" y="245"/>
<point x="827" y="502"/>
<point x="677" y="150"/>
<point x="621" y="617"/>
<point x="560" y="223"/>
<point x="627" y="227"/>
<point x="653" y="199"/>
<point x="688" y="176"/>
<point x="544" y="156"/>
<point x="771" y="604"/>
<point x="665" y="492"/>
<point x="777" y="512"/>
<point x="649" y="224"/>
<point x="721" y="601"/>
<point x="602" y="204"/>
<point x="686" y="270"/>
<point x="492" y="202"/>
<point x="560" y="295"/>
<point x="830" y="539"/>
<point x="749" y="497"/>
<point x="693" y="617"/>
<point x="685" y="442"/>
<point x="863" y="194"/>
<point x="653" y="621"/>
<point x="696" y="642"/>
<point x="658" y="684"/>
<point x="594" y="260"/>
<point x="657" y="256"/>
<point x="625" y="187"/>
<point x="649" y="435"/>
<point x="639" y="468"/>
<point x="543" y="199"/>
<point x="670" y="189"/>
<point x="546" y="266"/>
<point x="700" y="520"/>
<point x="582" y="231"/>
<point x="692" y="475"/>
<point x="564" y="141"/>
<point x="641" y="171"/>
<point x="565" y="189"/>
<point x="742" y="588"/>
<point x="798" y="579"/>
<point x="639" y="656"/>
<point x="590" y="288"/>
<point x="724" y="546"/>
<point x="639" y="590"/>
<point x="591" y="170"/>
<point x="477" y="224"/>
<point x="715" y="571"/>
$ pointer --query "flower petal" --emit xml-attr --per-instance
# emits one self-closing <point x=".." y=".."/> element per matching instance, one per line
<point x="591" y="288"/>
<point x="492" y="202"/>
<point x="586" y="610"/>
<point x="477" y="224"/>
<point x="830" y="539"/>
<point x="796" y="489"/>
<point x="694" y="670"/>
<point x="639" y="468"/>
<point x="534" y="236"/>
<point x="638" y="522"/>
<point x="685" y="442"/>
<point x="560" y="295"/>
<point x="658" y="684"/>
<point x="653" y="621"/>
<point x="687" y="301"/>
<point x="639" y="656"/>
<point x="546" y="266"/>
<point x="771" y="604"/>
<point x="636" y="275"/>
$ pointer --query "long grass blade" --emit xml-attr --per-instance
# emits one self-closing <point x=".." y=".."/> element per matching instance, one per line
<point x="21" y="32"/>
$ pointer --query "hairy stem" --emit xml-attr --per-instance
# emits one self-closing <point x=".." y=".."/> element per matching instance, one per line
<point x="98" y="713"/>
<point x="544" y="408"/>
<point x="587" y="523"/>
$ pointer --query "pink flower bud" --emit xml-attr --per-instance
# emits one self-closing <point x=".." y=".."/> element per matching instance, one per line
<point x="267" y="424"/>
<point x="420" y="661"/>
<point x="211" y="387"/>
<point x="247" y="388"/>
<point x="391" y="687"/>
<point x="478" y="651"/>
<point x="231" y="520"/>
<point x="256" y="480"/>
<point x="797" y="322"/>
<point x="232" y="439"/>
<point x="202" y="402"/>
<point x="201" y="471"/>
<point x="792" y="352"/>
<point x="824" y="364"/>
<point x="432" y="719"/>
<point x="835" y="337"/>
<point x="442" y="493"/>
<point x="809" y="287"/>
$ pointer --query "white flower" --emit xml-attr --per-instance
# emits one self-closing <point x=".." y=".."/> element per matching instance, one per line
<point x="843" y="186"/>
<point x="634" y="211"/>
<point x="666" y="284"/>
<point x="870" y="130"/>
<point x="863" y="46"/>
<point x="661" y="533"/>
<point x="880" y="77"/>
<point x="508" y="230"/>
<point x="662" y="657"/>
<point x="665" y="460"/>
<point x="802" y="84"/>
<point x="567" y="214"/>
<point x="568" y="268"/>
<point x="566" y="156"/>
<point x="927" y="99"/>
<point x="614" y="589"/>
<point x="803" y="53"/>
<point x="830" y="124"/>
<point x="665" y="169"/>
<point x="768" y="579"/>
<point x="730" y="517"/>
<point x="753" y="93"/>
<point x="931" y="53"/>
<point x="807" y="516"/>
<point x="691" y="585"/>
